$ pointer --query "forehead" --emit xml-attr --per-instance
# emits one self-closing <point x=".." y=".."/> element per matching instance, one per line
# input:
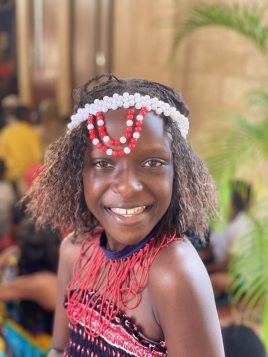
<point x="154" y="139"/>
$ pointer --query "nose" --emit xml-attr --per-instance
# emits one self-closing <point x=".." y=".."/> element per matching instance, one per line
<point x="126" y="182"/>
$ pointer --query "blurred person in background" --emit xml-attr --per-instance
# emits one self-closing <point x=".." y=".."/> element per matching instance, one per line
<point x="241" y="341"/>
<point x="20" y="147"/>
<point x="8" y="104"/>
<point x="28" y="275"/>
<point x="222" y="244"/>
<point x="7" y="203"/>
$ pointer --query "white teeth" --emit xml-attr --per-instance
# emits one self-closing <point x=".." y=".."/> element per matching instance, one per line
<point x="129" y="211"/>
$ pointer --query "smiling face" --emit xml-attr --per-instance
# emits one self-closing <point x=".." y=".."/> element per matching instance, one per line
<point x="130" y="194"/>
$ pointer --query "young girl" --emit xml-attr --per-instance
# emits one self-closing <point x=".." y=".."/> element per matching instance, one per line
<point x="126" y="182"/>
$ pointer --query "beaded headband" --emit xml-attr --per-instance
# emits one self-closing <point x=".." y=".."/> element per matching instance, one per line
<point x="93" y="113"/>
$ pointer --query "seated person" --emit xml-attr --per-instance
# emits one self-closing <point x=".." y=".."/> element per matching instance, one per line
<point x="35" y="284"/>
<point x="222" y="244"/>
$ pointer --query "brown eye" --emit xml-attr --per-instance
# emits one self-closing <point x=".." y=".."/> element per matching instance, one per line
<point x="154" y="163"/>
<point x="103" y="164"/>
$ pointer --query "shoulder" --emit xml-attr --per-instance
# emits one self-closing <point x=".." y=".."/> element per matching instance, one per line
<point x="69" y="250"/>
<point x="178" y="260"/>
<point x="178" y="274"/>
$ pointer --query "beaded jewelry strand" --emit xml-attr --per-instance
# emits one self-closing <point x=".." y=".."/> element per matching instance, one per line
<point x="131" y="135"/>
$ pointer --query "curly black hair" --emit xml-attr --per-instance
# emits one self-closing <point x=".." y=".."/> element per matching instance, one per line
<point x="57" y="197"/>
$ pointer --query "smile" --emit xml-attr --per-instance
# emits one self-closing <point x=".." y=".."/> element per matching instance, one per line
<point x="127" y="212"/>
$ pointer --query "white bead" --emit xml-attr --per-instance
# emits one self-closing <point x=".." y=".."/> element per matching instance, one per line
<point x="158" y="111"/>
<point x="167" y="113"/>
<point x="100" y="122"/>
<point x="115" y="95"/>
<point x="126" y="105"/>
<point x="106" y="138"/>
<point x="126" y="95"/>
<point x="136" y="135"/>
<point x="139" y="117"/>
<point x="172" y="110"/>
<point x="129" y="122"/>
<point x="109" y="152"/>
<point x="137" y="95"/>
<point x="123" y="140"/>
<point x="114" y="106"/>
<point x="96" y="101"/>
<point x="127" y="150"/>
<point x="95" y="141"/>
<point x="138" y="105"/>
<point x="148" y="107"/>
<point x="106" y="98"/>
<point x="90" y="126"/>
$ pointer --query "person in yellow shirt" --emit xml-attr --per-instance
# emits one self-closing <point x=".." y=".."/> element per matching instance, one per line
<point x="20" y="146"/>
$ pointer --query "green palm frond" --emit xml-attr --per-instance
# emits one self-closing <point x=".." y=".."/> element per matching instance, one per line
<point x="259" y="99"/>
<point x="243" y="140"/>
<point x="244" y="19"/>
<point x="249" y="266"/>
<point x="243" y="144"/>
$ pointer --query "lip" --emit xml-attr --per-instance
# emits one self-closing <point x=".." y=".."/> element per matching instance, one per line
<point x="125" y="217"/>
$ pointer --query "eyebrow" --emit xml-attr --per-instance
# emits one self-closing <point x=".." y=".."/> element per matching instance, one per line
<point x="157" y="150"/>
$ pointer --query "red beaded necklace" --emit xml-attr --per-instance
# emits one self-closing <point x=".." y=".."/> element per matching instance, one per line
<point x="104" y="142"/>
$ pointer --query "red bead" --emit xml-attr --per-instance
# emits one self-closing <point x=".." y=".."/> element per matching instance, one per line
<point x="120" y="152"/>
<point x="90" y="119"/>
<point x="104" y="148"/>
<point x="93" y="136"/>
<point x="92" y="132"/>
<point x="102" y="134"/>
<point x="131" y="111"/>
<point x="128" y="135"/>
<point x="138" y="128"/>
<point x="111" y="142"/>
<point x="117" y="143"/>
<point x="130" y="117"/>
<point x="133" y="140"/>
<point x="138" y="123"/>
<point x="115" y="153"/>
<point x="129" y="129"/>
<point x="101" y="128"/>
<point x="131" y="146"/>
<point x="99" y="115"/>
<point x="99" y="145"/>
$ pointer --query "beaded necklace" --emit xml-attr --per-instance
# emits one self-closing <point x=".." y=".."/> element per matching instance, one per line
<point x="109" y="282"/>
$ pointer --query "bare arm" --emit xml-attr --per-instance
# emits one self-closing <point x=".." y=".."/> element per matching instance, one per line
<point x="68" y="253"/>
<point x="38" y="287"/>
<point x="183" y="303"/>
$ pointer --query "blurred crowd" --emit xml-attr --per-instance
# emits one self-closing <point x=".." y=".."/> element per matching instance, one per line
<point x="28" y="257"/>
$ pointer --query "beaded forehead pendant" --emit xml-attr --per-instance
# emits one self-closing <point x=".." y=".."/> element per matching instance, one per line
<point x="138" y="106"/>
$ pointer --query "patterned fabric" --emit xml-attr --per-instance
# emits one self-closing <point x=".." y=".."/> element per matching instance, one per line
<point x="119" y="338"/>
